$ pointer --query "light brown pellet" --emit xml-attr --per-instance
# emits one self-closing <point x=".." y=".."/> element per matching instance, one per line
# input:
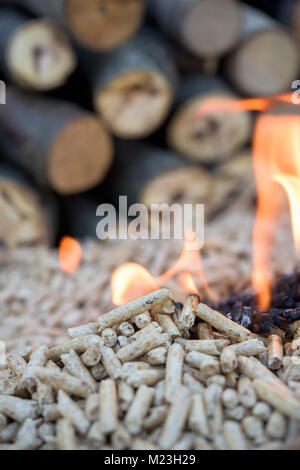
<point x="254" y="429"/>
<point x="234" y="436"/>
<point x="173" y="378"/>
<point x="176" y="418"/>
<point x="275" y="352"/>
<point x="111" y="363"/>
<point x="230" y="398"/>
<point x="247" y="394"/>
<point x="197" y="421"/>
<point x="142" y="320"/>
<point x="75" y="367"/>
<point x="214" y="409"/>
<point x="139" y="409"/>
<point x="109" y="337"/>
<point x="91" y="356"/>
<point x="66" y="439"/>
<point x="156" y="357"/>
<point x="126" y="329"/>
<point x="145" y="377"/>
<point x="108" y="407"/>
<point x="276" y="426"/>
<point x="72" y="412"/>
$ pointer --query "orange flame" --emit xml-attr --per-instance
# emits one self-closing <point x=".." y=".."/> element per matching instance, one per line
<point x="276" y="161"/>
<point x="211" y="105"/>
<point x="132" y="280"/>
<point x="69" y="254"/>
<point x="187" y="284"/>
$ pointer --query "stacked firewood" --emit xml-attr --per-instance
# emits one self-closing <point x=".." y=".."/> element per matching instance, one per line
<point x="154" y="375"/>
<point x="105" y="95"/>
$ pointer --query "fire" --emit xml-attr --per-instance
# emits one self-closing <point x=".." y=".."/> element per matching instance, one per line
<point x="187" y="284"/>
<point x="212" y="105"/>
<point x="277" y="161"/>
<point x="129" y="282"/>
<point x="132" y="280"/>
<point x="69" y="254"/>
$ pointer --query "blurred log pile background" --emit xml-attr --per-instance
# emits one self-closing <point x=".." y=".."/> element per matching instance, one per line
<point x="102" y="100"/>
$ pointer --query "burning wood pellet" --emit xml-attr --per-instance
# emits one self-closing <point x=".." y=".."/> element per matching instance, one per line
<point x="275" y="352"/>
<point x="158" y="391"/>
<point x="223" y="324"/>
<point x="134" y="308"/>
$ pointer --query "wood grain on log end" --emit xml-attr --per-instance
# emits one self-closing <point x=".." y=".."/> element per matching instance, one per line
<point x="135" y="103"/>
<point x="265" y="64"/>
<point x="185" y="186"/>
<point x="40" y="56"/>
<point x="210" y="137"/>
<point x="211" y="28"/>
<point x="104" y="24"/>
<point x="80" y="156"/>
<point x="207" y="28"/>
<point x="23" y="220"/>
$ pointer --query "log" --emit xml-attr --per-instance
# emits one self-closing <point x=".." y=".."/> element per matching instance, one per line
<point x="133" y="87"/>
<point x="151" y="175"/>
<point x="234" y="185"/>
<point x="207" y="28"/>
<point x="96" y="24"/>
<point x="267" y="60"/>
<point x="288" y="12"/>
<point x="58" y="143"/>
<point x="35" y="53"/>
<point x="211" y="137"/>
<point x="27" y="218"/>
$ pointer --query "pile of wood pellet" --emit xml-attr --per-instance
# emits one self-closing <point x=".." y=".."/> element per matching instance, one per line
<point x="38" y="302"/>
<point x="154" y="375"/>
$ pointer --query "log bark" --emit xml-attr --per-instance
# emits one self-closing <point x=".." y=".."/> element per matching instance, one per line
<point x="267" y="60"/>
<point x="35" y="53"/>
<point x="211" y="137"/>
<point x="288" y="12"/>
<point x="151" y="175"/>
<point x="96" y="24"/>
<point x="27" y="218"/>
<point x="58" y="143"/>
<point x="134" y="86"/>
<point x="208" y="28"/>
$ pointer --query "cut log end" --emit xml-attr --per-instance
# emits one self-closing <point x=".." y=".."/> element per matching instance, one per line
<point x="266" y="64"/>
<point x="22" y="218"/>
<point x="40" y="56"/>
<point x="104" y="24"/>
<point x="211" y="27"/>
<point x="80" y="157"/>
<point x="208" y="138"/>
<point x="183" y="185"/>
<point x="135" y="104"/>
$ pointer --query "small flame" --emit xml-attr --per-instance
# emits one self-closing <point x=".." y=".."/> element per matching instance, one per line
<point x="129" y="282"/>
<point x="187" y="284"/>
<point x="69" y="254"/>
<point x="132" y="280"/>
<point x="211" y="105"/>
